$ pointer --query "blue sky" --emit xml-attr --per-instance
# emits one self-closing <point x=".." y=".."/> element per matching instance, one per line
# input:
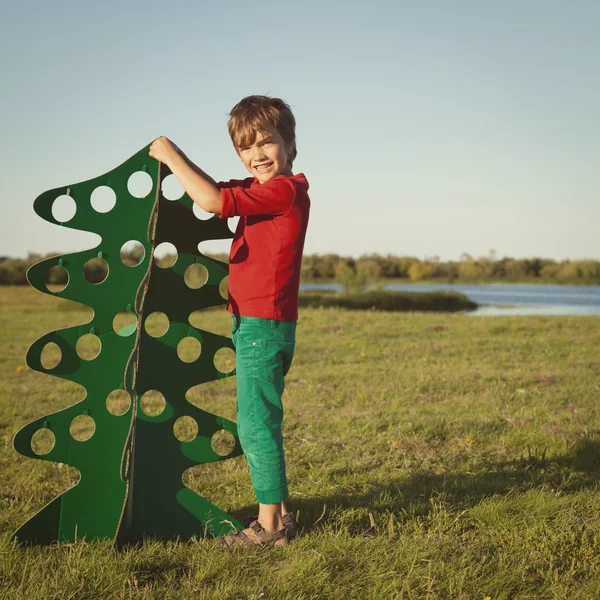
<point x="427" y="129"/>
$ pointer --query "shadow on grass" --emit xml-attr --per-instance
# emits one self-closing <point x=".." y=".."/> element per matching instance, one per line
<point x="412" y="495"/>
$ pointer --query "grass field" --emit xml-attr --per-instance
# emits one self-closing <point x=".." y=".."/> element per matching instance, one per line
<point x="430" y="456"/>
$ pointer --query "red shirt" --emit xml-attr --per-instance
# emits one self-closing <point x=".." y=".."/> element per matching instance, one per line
<point x="266" y="253"/>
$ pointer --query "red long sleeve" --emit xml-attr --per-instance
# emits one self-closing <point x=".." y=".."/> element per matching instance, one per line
<point x="274" y="197"/>
<point x="266" y="253"/>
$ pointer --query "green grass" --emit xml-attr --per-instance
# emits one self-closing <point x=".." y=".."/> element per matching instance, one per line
<point x="430" y="456"/>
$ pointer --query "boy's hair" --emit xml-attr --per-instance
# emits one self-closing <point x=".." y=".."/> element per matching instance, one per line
<point x="255" y="113"/>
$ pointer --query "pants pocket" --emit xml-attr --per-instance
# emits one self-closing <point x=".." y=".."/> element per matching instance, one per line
<point x="277" y="359"/>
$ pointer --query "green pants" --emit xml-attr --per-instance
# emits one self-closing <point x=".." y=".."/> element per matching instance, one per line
<point x="264" y="350"/>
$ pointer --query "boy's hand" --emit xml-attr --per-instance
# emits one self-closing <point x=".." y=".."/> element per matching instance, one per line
<point x="163" y="150"/>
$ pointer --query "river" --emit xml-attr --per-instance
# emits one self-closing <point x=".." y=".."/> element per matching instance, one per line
<point x="498" y="299"/>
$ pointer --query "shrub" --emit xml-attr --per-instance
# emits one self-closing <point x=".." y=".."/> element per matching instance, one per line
<point x="391" y="301"/>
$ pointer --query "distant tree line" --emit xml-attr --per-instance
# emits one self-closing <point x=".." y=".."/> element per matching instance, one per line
<point x="354" y="272"/>
<point x="357" y="273"/>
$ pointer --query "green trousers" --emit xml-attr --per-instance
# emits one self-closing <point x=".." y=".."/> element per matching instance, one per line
<point x="264" y="350"/>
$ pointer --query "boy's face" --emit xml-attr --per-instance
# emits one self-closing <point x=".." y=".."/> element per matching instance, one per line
<point x="267" y="157"/>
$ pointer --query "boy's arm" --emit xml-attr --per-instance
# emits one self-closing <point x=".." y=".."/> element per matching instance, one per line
<point x="199" y="186"/>
<point x="274" y="197"/>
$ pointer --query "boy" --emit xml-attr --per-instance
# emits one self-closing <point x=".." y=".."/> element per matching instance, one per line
<point x="264" y="278"/>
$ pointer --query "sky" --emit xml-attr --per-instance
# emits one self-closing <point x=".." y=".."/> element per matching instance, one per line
<point x="425" y="129"/>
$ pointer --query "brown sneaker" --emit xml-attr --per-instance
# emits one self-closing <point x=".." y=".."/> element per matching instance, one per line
<point x="255" y="535"/>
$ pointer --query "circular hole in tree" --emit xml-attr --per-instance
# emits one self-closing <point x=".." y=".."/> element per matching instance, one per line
<point x="200" y="213"/>
<point x="195" y="276"/>
<point x="189" y="349"/>
<point x="42" y="441"/>
<point x="132" y="253"/>
<point x="152" y="403"/>
<point x="118" y="402"/>
<point x="82" y="428"/>
<point x="139" y="184"/>
<point x="224" y="360"/>
<point x="103" y="199"/>
<point x="157" y="324"/>
<point x="88" y="346"/>
<point x="125" y="323"/>
<point x="51" y="355"/>
<point x="171" y="188"/>
<point x="223" y="442"/>
<point x="185" y="429"/>
<point x="64" y="208"/>
<point x="232" y="223"/>
<point x="165" y="255"/>
<point x="95" y="270"/>
<point x="218" y="249"/>
<point x="57" y="279"/>
<point x="224" y="287"/>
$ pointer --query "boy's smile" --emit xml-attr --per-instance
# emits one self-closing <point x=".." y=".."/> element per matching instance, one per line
<point x="267" y="156"/>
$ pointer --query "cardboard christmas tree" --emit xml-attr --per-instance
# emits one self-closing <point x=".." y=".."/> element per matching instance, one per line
<point x="134" y="433"/>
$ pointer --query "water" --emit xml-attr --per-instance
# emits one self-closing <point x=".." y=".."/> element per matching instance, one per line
<point x="507" y="299"/>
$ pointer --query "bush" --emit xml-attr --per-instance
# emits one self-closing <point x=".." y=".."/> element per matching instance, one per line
<point x="391" y="301"/>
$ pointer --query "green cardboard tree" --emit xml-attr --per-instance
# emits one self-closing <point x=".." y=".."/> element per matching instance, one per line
<point x="134" y="433"/>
